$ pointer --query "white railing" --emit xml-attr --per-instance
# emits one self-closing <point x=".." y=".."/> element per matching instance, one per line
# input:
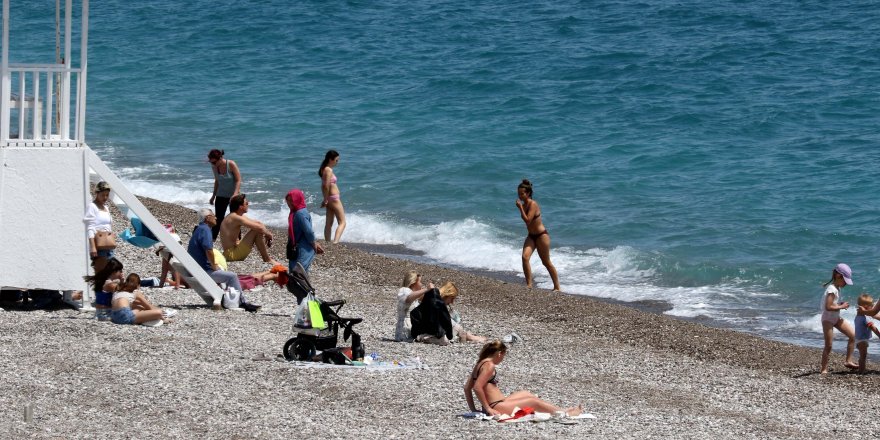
<point x="40" y="103"/>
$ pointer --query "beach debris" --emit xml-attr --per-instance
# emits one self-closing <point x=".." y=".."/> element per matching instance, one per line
<point x="29" y="413"/>
<point x="512" y="338"/>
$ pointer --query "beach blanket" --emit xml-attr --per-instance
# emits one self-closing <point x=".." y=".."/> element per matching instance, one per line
<point x="380" y="367"/>
<point x="383" y="366"/>
<point x="520" y="415"/>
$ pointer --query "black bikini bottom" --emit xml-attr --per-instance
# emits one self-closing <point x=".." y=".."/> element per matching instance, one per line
<point x="535" y="237"/>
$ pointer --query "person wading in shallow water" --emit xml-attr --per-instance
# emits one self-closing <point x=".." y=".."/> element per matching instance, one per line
<point x="830" y="306"/>
<point x="332" y="202"/>
<point x="537" y="236"/>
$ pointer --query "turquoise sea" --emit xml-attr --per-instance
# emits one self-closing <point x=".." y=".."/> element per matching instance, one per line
<point x="719" y="157"/>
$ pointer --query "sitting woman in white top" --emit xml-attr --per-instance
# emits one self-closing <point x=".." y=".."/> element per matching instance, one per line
<point x="408" y="298"/>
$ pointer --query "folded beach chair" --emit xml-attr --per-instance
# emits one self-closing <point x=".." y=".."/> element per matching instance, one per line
<point x="142" y="236"/>
<point x="137" y="238"/>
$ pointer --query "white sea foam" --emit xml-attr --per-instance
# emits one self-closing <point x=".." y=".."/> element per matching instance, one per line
<point x="189" y="197"/>
<point x="795" y="329"/>
<point x="814" y="322"/>
<point x="471" y="243"/>
<point x="153" y="170"/>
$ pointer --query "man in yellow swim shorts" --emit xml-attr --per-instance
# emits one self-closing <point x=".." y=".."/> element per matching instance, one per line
<point x="235" y="249"/>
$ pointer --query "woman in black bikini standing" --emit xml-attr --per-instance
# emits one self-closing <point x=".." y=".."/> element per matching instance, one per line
<point x="483" y="382"/>
<point x="538" y="237"/>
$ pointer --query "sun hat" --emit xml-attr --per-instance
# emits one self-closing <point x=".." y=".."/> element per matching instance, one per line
<point x="845" y="272"/>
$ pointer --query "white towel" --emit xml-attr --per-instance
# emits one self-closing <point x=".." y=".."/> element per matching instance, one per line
<point x="380" y="366"/>
<point x="536" y="417"/>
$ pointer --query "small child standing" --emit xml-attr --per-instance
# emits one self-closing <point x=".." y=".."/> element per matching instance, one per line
<point x="864" y="327"/>
<point x="841" y="276"/>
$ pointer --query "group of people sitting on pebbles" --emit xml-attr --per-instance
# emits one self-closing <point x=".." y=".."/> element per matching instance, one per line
<point x="236" y="246"/>
<point x="107" y="282"/>
<point x="120" y="302"/>
<point x="424" y="313"/>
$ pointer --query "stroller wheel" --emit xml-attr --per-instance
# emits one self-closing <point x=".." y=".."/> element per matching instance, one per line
<point x="299" y="349"/>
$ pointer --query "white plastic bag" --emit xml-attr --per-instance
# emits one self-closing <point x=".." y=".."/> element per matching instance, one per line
<point x="231" y="298"/>
<point x="301" y="317"/>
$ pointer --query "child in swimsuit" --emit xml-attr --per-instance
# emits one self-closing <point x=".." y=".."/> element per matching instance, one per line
<point x="863" y="328"/>
<point x="830" y="307"/>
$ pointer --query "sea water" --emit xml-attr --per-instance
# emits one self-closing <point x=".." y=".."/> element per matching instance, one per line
<point x="716" y="157"/>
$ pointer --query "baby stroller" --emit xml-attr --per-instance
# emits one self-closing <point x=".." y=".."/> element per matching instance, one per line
<point x="305" y="345"/>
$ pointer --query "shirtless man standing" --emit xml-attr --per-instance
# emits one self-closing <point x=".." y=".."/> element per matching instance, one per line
<point x="235" y="249"/>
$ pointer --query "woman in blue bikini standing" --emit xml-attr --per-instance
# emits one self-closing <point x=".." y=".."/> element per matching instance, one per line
<point x="538" y="237"/>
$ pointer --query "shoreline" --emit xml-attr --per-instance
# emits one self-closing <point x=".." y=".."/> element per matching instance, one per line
<point x="654" y="307"/>
<point x="213" y="374"/>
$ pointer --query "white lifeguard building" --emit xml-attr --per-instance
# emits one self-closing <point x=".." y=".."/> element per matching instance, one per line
<point x="46" y="169"/>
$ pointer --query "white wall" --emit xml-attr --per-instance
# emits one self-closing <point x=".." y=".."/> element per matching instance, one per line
<point x="42" y="234"/>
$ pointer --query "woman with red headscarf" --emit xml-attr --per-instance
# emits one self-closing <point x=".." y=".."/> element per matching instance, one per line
<point x="299" y="229"/>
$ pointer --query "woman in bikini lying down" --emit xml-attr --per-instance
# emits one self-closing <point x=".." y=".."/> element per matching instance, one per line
<point x="538" y="237"/>
<point x="483" y="382"/>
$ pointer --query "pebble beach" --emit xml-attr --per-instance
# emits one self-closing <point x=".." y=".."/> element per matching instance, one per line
<point x="217" y="374"/>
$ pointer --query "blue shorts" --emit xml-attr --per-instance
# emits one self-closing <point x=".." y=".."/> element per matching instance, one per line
<point x="122" y="316"/>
